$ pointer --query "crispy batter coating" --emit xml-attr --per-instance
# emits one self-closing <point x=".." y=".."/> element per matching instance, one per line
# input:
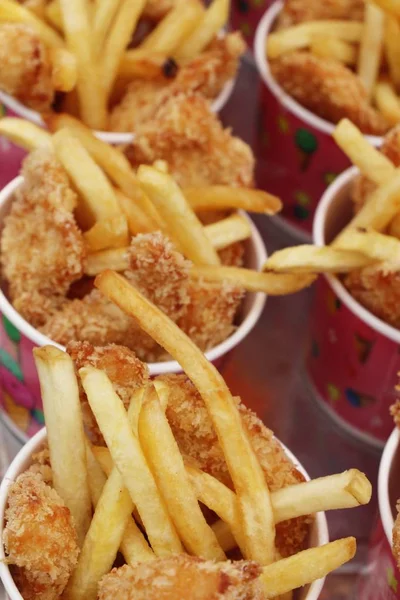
<point x="190" y="138"/>
<point x="299" y="11"/>
<point x="328" y="89"/>
<point x="25" y="66"/>
<point x="40" y="538"/>
<point x="199" y="445"/>
<point x="206" y="74"/>
<point x="233" y="255"/>
<point x="183" y="576"/>
<point x="42" y="249"/>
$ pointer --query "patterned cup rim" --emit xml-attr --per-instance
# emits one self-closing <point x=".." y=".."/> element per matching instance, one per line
<point x="385" y="508"/>
<point x="253" y="304"/>
<point x="329" y="198"/>
<point x="263" y="30"/>
<point x="22" y="461"/>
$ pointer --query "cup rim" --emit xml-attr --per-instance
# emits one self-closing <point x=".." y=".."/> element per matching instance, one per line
<point x="385" y="509"/>
<point x="156" y="368"/>
<point x="351" y="303"/>
<point x="16" y="468"/>
<point x="263" y="30"/>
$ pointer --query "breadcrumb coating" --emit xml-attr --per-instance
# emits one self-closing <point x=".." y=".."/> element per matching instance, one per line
<point x="328" y="89"/>
<point x="183" y="576"/>
<point x="25" y="66"/>
<point x="299" y="11"/>
<point x="39" y="538"/>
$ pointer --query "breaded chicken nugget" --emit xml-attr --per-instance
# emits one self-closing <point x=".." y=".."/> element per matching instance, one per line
<point x="299" y="11"/>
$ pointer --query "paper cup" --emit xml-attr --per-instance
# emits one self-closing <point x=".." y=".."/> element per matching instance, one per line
<point x="354" y="356"/>
<point x="10" y="155"/>
<point x="297" y="156"/>
<point x="318" y="534"/>
<point x="381" y="578"/>
<point x="245" y="16"/>
<point x="19" y="386"/>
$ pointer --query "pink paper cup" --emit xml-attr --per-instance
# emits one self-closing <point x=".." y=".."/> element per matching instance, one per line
<point x="381" y="578"/>
<point x="318" y="533"/>
<point x="19" y="386"/>
<point x="297" y="156"/>
<point x="10" y="155"/>
<point x="354" y="356"/>
<point x="245" y="16"/>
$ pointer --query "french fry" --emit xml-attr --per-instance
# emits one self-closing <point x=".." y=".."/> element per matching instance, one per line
<point x="53" y="14"/>
<point x="130" y="461"/>
<point x="213" y="20"/>
<point x="223" y="197"/>
<point x="247" y="476"/>
<point x="378" y="246"/>
<point x="115" y="259"/>
<point x="306" y="566"/>
<point x="331" y="47"/>
<point x="97" y="198"/>
<point x="164" y="457"/>
<point x="390" y="6"/>
<point x="78" y="35"/>
<point x="300" y="36"/>
<point x="273" y="284"/>
<point x="227" y="231"/>
<point x="387" y="101"/>
<point x="184" y="228"/>
<point x="312" y="259"/>
<point x="14" y="12"/>
<point x="64" y="74"/>
<point x="176" y="26"/>
<point x="372" y="163"/>
<point x="370" y="54"/>
<point x="108" y="233"/>
<point x="25" y="134"/>
<point x="96" y="477"/>
<point x="103" y="17"/>
<point x="146" y="65"/>
<point x="59" y="389"/>
<point x="138" y="220"/>
<point x="36" y="6"/>
<point x="392" y="49"/>
<point x="118" y="39"/>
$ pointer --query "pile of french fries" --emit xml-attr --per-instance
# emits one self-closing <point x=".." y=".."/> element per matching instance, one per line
<point x="89" y="44"/>
<point x="372" y="237"/>
<point x="141" y="477"/>
<point x="370" y="48"/>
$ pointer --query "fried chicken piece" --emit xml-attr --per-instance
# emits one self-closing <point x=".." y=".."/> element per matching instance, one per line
<point x="125" y="371"/>
<point x="395" y="411"/>
<point x="299" y="11"/>
<point x="25" y="66"/>
<point x="199" y="445"/>
<point x="233" y="255"/>
<point x="183" y="576"/>
<point x="42" y="248"/>
<point x="206" y="74"/>
<point x="40" y="538"/>
<point x="41" y="465"/>
<point x="328" y="89"/>
<point x="190" y="138"/>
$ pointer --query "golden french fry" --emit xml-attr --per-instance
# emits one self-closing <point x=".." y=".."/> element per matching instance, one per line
<point x="331" y="47"/>
<point x="36" y="6"/>
<point x="64" y="72"/>
<point x="53" y="14"/>
<point x="138" y="220"/>
<point x="221" y="234"/>
<point x="25" y="134"/>
<point x="115" y="259"/>
<point x="14" y="12"/>
<point x="59" y="388"/>
<point x="222" y="197"/>
<point x="394" y="227"/>
<point x="213" y="20"/>
<point x="97" y="199"/>
<point x="183" y="226"/>
<point x="130" y="461"/>
<point x="146" y="65"/>
<point x="96" y="477"/>
<point x="378" y="246"/>
<point x="77" y="31"/>
<point x="306" y="566"/>
<point x="370" y="55"/>
<point x="244" y="468"/>
<point x="300" y="36"/>
<point x="312" y="259"/>
<point x="108" y="233"/>
<point x="390" y="6"/>
<point x="103" y="17"/>
<point x="392" y="49"/>
<point x="387" y="101"/>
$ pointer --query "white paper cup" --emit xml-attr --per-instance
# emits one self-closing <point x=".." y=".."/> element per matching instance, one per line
<point x="318" y="534"/>
<point x="19" y="382"/>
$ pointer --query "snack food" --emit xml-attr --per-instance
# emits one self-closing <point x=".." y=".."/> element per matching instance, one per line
<point x="245" y="463"/>
<point x="112" y="64"/>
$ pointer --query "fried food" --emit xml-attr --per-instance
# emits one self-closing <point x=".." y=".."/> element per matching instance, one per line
<point x="25" y="66"/>
<point x="300" y="11"/>
<point x="42" y="249"/>
<point x="190" y="138"/>
<point x="173" y="577"/>
<point x="40" y="538"/>
<point x="327" y="88"/>
<point x="199" y="446"/>
<point x="395" y="412"/>
<point x="157" y="9"/>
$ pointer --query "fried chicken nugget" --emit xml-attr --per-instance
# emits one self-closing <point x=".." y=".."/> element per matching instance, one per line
<point x="25" y="66"/>
<point x="299" y="11"/>
<point x="42" y="248"/>
<point x="183" y="576"/>
<point x="199" y="445"/>
<point x="328" y="89"/>
<point x="40" y="538"/>
<point x="190" y="138"/>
